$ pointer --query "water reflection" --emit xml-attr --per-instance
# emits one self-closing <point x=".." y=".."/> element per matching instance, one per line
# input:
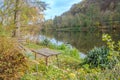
<point x="52" y="40"/>
<point x="83" y="41"/>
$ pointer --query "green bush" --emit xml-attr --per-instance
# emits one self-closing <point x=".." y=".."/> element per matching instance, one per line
<point x="45" y="42"/>
<point x="62" y="47"/>
<point x="99" y="57"/>
<point x="74" y="53"/>
<point x="104" y="57"/>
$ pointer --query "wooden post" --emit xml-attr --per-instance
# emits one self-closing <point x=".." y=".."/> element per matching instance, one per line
<point x="35" y="56"/>
<point x="57" y="60"/>
<point x="46" y="61"/>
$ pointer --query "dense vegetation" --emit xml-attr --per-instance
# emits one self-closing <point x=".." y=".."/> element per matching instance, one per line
<point x="13" y="62"/>
<point x="88" y="15"/>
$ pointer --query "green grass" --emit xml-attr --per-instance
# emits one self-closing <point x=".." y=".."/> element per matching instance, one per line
<point x="70" y="67"/>
<point x="33" y="45"/>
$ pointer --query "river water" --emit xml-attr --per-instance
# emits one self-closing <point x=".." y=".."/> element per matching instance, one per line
<point x="83" y="41"/>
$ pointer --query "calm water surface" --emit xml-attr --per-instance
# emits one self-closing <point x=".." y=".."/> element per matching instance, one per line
<point x="83" y="41"/>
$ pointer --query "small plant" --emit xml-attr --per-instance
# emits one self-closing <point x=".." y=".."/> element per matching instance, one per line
<point x="75" y="53"/>
<point x="45" y="42"/>
<point x="62" y="47"/>
<point x="113" y="47"/>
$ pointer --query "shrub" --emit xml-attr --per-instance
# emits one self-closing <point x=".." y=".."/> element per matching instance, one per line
<point x="113" y="46"/>
<point x="45" y="42"/>
<point x="104" y="57"/>
<point x="12" y="62"/>
<point x="75" y="53"/>
<point x="98" y="57"/>
<point x="62" y="47"/>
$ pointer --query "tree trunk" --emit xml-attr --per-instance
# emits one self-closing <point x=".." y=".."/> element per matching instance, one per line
<point x="16" y="32"/>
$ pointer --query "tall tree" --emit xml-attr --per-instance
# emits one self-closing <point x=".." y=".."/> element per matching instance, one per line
<point x="17" y="18"/>
<point x="21" y="12"/>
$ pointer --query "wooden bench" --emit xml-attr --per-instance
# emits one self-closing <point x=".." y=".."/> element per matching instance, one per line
<point x="46" y="53"/>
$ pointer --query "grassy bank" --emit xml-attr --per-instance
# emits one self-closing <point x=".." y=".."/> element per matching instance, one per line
<point x="71" y="66"/>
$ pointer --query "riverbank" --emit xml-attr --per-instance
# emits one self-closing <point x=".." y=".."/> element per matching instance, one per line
<point x="63" y="48"/>
<point x="71" y="66"/>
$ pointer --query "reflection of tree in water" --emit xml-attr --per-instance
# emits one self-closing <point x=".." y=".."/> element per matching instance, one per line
<point x="84" y="41"/>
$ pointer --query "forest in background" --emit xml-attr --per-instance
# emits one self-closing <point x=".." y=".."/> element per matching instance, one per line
<point x="88" y="15"/>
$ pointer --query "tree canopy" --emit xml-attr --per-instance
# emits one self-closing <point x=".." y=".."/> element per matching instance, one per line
<point x="17" y="13"/>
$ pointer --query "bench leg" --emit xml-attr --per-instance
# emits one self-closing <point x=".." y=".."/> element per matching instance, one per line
<point x="35" y="56"/>
<point x="57" y="60"/>
<point x="46" y="61"/>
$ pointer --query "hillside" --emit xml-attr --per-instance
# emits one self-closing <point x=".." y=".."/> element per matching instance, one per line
<point x="89" y="14"/>
<point x="104" y="5"/>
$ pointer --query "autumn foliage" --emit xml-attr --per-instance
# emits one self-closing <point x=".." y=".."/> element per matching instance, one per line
<point x="12" y="62"/>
